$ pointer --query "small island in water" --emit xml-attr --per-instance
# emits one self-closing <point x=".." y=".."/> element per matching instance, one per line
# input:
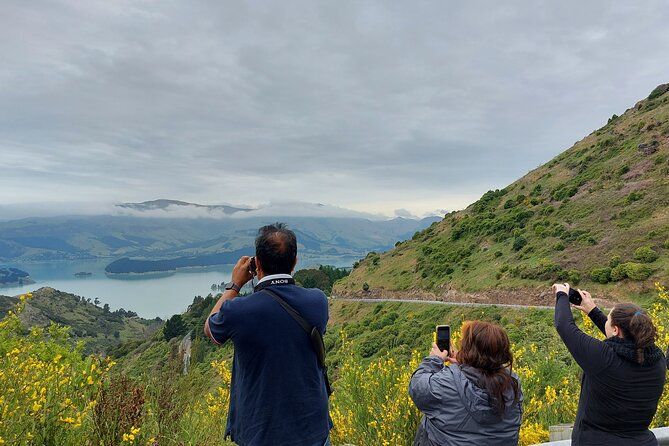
<point x="14" y="276"/>
<point x="83" y="274"/>
<point x="127" y="266"/>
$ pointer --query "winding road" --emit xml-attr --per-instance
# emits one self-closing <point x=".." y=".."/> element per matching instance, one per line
<point x="439" y="302"/>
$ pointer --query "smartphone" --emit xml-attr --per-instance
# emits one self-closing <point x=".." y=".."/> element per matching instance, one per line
<point x="444" y="337"/>
<point x="575" y="297"/>
<point x="252" y="266"/>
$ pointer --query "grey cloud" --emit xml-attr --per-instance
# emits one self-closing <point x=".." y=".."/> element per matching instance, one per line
<point x="350" y="103"/>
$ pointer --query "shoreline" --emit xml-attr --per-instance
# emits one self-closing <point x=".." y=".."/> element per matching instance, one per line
<point x="17" y="284"/>
<point x="165" y="272"/>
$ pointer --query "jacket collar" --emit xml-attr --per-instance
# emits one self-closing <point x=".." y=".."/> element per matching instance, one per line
<point x="274" y="276"/>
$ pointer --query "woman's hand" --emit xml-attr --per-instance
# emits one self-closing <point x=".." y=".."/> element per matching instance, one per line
<point x="564" y="287"/>
<point x="587" y="304"/>
<point x="452" y="357"/>
<point x="443" y="355"/>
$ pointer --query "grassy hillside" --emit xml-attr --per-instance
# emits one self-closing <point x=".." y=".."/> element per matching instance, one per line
<point x="598" y="213"/>
<point x="100" y="329"/>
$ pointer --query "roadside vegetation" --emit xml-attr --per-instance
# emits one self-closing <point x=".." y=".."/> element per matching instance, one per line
<point x="57" y="395"/>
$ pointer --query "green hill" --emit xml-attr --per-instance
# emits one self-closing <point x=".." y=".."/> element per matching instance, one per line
<point x="598" y="213"/>
<point x="100" y="329"/>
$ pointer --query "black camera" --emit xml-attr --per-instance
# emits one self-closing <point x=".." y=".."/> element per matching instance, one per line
<point x="252" y="266"/>
<point x="575" y="297"/>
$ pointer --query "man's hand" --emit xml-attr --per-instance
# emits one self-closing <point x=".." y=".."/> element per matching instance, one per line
<point x="587" y="304"/>
<point x="564" y="287"/>
<point x="241" y="272"/>
<point x="444" y="356"/>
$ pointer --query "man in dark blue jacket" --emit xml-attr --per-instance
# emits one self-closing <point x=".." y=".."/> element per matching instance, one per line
<point x="278" y="395"/>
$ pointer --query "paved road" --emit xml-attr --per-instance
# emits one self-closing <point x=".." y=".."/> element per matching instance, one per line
<point x="438" y="302"/>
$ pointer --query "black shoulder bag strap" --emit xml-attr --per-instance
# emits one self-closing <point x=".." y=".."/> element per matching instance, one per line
<point x="313" y="332"/>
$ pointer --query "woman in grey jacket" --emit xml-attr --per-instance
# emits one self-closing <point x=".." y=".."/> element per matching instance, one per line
<point x="476" y="400"/>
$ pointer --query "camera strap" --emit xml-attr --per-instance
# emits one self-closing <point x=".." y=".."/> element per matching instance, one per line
<point x="314" y="335"/>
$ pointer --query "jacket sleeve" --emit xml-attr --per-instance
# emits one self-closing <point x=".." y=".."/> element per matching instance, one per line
<point x="424" y="387"/>
<point x="599" y="319"/>
<point x="591" y="354"/>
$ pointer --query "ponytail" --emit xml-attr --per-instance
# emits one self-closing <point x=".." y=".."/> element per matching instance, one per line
<point x="636" y="326"/>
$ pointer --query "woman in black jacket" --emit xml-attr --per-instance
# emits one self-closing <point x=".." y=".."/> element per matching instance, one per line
<point x="623" y="376"/>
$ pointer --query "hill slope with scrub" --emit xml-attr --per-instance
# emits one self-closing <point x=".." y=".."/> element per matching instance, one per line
<point x="101" y="330"/>
<point x="597" y="214"/>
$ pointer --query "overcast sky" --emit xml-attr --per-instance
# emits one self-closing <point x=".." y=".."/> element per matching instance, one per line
<point x="374" y="106"/>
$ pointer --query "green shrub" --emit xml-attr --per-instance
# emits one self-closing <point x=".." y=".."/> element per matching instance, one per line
<point x="633" y="196"/>
<point x="601" y="275"/>
<point x="637" y="271"/>
<point x="365" y="287"/>
<point x="518" y="243"/>
<point x="666" y="244"/>
<point x="615" y="261"/>
<point x="174" y="326"/>
<point x="645" y="254"/>
<point x="564" y="192"/>
<point x="573" y="276"/>
<point x="498" y="254"/>
<point x="559" y="246"/>
<point x="619" y="272"/>
<point x="657" y="92"/>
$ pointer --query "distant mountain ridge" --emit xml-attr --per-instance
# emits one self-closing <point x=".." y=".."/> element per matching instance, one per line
<point x="159" y="238"/>
<point x="597" y="214"/>
<point x="165" y="203"/>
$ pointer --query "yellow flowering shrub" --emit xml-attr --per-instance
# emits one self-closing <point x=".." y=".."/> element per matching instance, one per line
<point x="659" y="312"/>
<point x="48" y="387"/>
<point x="371" y="404"/>
<point x="51" y="393"/>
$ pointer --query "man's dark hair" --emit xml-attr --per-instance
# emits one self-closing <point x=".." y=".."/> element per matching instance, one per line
<point x="276" y="249"/>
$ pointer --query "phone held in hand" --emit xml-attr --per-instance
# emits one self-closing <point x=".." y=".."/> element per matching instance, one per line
<point x="575" y="297"/>
<point x="252" y="266"/>
<point x="444" y="337"/>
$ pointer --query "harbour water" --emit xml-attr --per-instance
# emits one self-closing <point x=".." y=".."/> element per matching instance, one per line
<point x="149" y="296"/>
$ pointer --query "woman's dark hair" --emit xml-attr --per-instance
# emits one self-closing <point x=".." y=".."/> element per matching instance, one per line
<point x="486" y="347"/>
<point x="276" y="249"/>
<point x="635" y="325"/>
